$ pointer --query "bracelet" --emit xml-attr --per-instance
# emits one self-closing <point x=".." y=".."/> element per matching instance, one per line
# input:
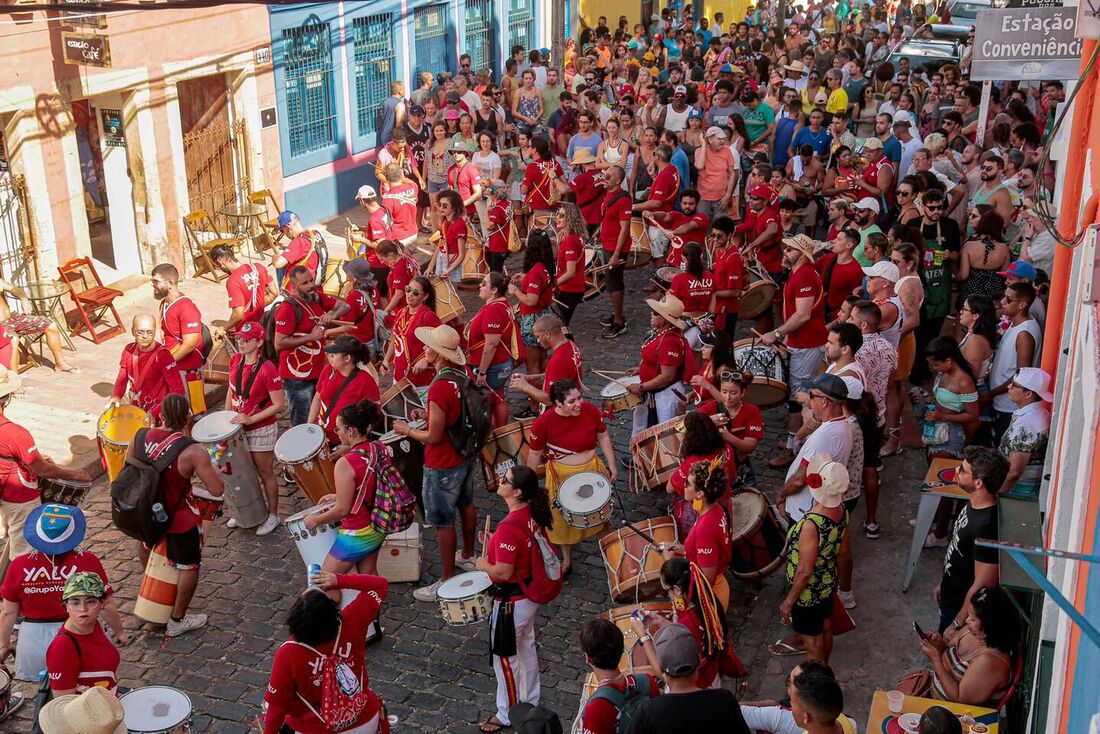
<point x="643" y="639"/>
<point x="955" y="624"/>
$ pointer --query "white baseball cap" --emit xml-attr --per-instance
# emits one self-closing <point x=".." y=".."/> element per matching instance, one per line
<point x="883" y="269"/>
<point x="366" y="192"/>
<point x="1035" y="379"/>
<point x="868" y="203"/>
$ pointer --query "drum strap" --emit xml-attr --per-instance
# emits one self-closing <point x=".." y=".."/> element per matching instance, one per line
<point x="340" y="391"/>
<point x="138" y="376"/>
<point x="243" y="394"/>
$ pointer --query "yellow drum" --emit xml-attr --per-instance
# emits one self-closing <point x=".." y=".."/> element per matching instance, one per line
<point x="115" y="430"/>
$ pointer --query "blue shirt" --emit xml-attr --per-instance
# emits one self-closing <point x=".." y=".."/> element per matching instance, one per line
<point x="706" y="34"/>
<point x="680" y="160"/>
<point x="821" y="140"/>
<point x="592" y="142"/>
<point x="784" y="132"/>
<point x="892" y="148"/>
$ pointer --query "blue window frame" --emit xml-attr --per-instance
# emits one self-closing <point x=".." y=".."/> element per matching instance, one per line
<point x="309" y="88"/>
<point x="373" y="66"/>
<point x="479" y="33"/>
<point x="521" y="23"/>
<point x="430" y="39"/>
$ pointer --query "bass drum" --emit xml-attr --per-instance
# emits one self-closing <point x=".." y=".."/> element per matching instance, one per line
<point x="768" y="366"/>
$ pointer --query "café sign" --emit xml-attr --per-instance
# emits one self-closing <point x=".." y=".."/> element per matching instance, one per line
<point x="1026" y="43"/>
<point x="85" y="50"/>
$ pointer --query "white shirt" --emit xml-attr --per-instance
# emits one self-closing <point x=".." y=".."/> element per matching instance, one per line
<point x="908" y="150"/>
<point x="1004" y="361"/>
<point x="472" y="100"/>
<point x="834" y="438"/>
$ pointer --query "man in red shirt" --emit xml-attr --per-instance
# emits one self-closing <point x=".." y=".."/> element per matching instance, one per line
<point x="683" y="227"/>
<point x="379" y="227"/>
<point x="729" y="274"/>
<point x="588" y="187"/>
<point x="306" y="247"/>
<point x="603" y="646"/>
<point x="564" y="364"/>
<point x="464" y="177"/>
<point x="662" y="197"/>
<point x="301" y="322"/>
<point x="500" y="226"/>
<point x="250" y="287"/>
<point x="763" y="233"/>
<point x="615" y="215"/>
<point x="399" y="198"/>
<point x="803" y="330"/>
<point x="448" y="475"/>
<point x="146" y="370"/>
<point x="181" y="324"/>
<point x="840" y="272"/>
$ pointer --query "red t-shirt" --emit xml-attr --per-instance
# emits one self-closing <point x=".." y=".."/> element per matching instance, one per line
<point x="557" y="435"/>
<point x="804" y="282"/>
<point x="306" y="361"/>
<point x="407" y="348"/>
<point x="600" y="715"/>
<point x="246" y="287"/>
<point x="843" y="279"/>
<point x="564" y="364"/>
<point x="616" y="213"/>
<point x="511" y="543"/>
<point x="666" y="186"/>
<point x="178" y="319"/>
<point x="589" y="195"/>
<point x="667" y="350"/>
<point x="452" y="233"/>
<point x="259" y="396"/>
<point x="749" y="419"/>
<point x="694" y="292"/>
<point x="361" y="387"/>
<point x="35" y="581"/>
<point x="492" y="318"/>
<point x="675" y="255"/>
<point x="443" y="395"/>
<point x="363" y="461"/>
<point x="17" y="452"/>
<point x="571" y="248"/>
<point x="729" y="274"/>
<point x="539" y="181"/>
<point x="401" y="274"/>
<point x="464" y="181"/>
<point x="769" y="254"/>
<point x="536" y="281"/>
<point x="709" y="545"/>
<point x="296" y="668"/>
<point x="400" y="200"/>
<point x="151" y="375"/>
<point x="177" y="488"/>
<point x="379" y="227"/>
<point x="499" y="217"/>
<point x="360" y="315"/>
<point x="82" y="661"/>
<point x="300" y="251"/>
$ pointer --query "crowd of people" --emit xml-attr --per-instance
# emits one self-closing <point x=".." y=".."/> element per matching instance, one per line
<point x="810" y="218"/>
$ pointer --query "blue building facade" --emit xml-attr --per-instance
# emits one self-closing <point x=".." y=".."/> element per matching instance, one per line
<point x="334" y="63"/>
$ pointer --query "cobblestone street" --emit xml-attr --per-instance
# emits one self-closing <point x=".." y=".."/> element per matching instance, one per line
<point x="436" y="678"/>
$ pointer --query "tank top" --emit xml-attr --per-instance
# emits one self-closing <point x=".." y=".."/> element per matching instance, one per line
<point x="676" y="121"/>
<point x="1004" y="360"/>
<point x="905" y="279"/>
<point x="893" y="334"/>
<point x="983" y="281"/>
<point x="958" y="665"/>
<point x="364" y="468"/>
<point x="981" y="197"/>
<point x="613" y="155"/>
<point x="829" y="534"/>
<point x="483" y="125"/>
<point x="177" y="488"/>
<point x="983" y="368"/>
<point x="528" y="106"/>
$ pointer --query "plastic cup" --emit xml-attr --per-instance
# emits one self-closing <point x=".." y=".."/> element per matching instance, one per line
<point x="895" y="700"/>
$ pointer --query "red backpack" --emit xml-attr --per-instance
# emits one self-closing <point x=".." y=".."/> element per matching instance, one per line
<point x="546" y="579"/>
<point x="343" y="696"/>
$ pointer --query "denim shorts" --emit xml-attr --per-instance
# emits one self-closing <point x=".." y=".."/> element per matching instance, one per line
<point x="803" y="366"/>
<point x="500" y="374"/>
<point x="448" y="490"/>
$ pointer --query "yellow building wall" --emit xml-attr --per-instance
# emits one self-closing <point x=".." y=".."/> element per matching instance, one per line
<point x="590" y="10"/>
<point x="734" y="10"/>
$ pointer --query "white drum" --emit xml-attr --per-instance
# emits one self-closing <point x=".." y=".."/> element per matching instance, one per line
<point x="156" y="710"/>
<point x="615" y="397"/>
<point x="464" y="599"/>
<point x="228" y="449"/>
<point x="313" y="545"/>
<point x="584" y="500"/>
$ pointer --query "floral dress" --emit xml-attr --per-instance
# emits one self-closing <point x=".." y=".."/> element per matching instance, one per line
<point x="823" y="581"/>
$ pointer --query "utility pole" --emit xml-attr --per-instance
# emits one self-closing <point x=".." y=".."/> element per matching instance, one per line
<point x="557" y="36"/>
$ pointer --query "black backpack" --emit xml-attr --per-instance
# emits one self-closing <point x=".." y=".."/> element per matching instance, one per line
<point x="471" y="431"/>
<point x="268" y="322"/>
<point x="139" y="507"/>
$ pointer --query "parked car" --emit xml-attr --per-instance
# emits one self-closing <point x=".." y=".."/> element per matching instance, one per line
<point x="965" y="12"/>
<point x="927" y="54"/>
<point x="949" y="31"/>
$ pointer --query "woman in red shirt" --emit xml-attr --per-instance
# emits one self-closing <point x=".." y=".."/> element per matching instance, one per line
<point x="357" y="541"/>
<point x="740" y="424"/>
<point x="321" y="634"/>
<point x="341" y="383"/>
<point x="493" y="342"/>
<point x="533" y="291"/>
<point x="694" y="287"/>
<point x="499" y="226"/>
<point x="81" y="656"/>
<point x="450" y="239"/>
<point x="708" y="545"/>
<point x="569" y="279"/>
<point x="567" y="436"/>
<point x="404" y="352"/>
<point x="701" y="443"/>
<point x="666" y="363"/>
<point x="509" y="553"/>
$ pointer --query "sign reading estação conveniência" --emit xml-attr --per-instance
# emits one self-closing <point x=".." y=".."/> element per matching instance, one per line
<point x="86" y="50"/>
<point x="1026" y="43"/>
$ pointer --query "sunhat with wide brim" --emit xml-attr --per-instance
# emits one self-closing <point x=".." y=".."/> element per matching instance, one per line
<point x="96" y="711"/>
<point x="582" y="156"/>
<point x="444" y="340"/>
<point x="9" y="382"/>
<point x="55" y="529"/>
<point x="670" y="308"/>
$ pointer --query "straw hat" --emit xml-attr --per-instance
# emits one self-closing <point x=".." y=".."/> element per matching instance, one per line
<point x="96" y="711"/>
<point x="582" y="156"/>
<point x="9" y="382"/>
<point x="797" y="66"/>
<point x="803" y="243"/>
<point x="444" y="340"/>
<point x="670" y="307"/>
<point x="827" y="479"/>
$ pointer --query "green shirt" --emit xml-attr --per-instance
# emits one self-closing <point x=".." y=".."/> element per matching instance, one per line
<point x="551" y="101"/>
<point x="859" y="253"/>
<point x="758" y="120"/>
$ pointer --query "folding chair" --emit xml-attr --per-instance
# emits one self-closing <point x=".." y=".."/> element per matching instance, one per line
<point x="272" y="233"/>
<point x="92" y="299"/>
<point x="203" y="236"/>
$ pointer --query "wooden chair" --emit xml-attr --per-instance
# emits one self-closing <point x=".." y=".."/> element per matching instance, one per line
<point x="203" y="236"/>
<point x="272" y="234"/>
<point x="93" y="300"/>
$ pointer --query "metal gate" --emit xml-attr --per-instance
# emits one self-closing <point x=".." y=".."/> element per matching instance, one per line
<point x="430" y="32"/>
<point x="18" y="254"/>
<point x="215" y="161"/>
<point x="479" y="33"/>
<point x="521" y="24"/>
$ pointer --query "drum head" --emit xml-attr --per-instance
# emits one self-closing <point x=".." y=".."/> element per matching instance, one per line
<point x="667" y="273"/>
<point x="757" y="299"/>
<point x="155" y="709"/>
<point x="749" y="507"/>
<point x="618" y="388"/>
<point x="215" y="427"/>
<point x="584" y="492"/>
<point x="299" y="443"/>
<point x="119" y="425"/>
<point x="464" y="585"/>
<point x="300" y="516"/>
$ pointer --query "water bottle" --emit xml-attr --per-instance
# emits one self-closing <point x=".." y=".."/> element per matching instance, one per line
<point x="159" y="514"/>
<point x="928" y="428"/>
<point x="313" y="570"/>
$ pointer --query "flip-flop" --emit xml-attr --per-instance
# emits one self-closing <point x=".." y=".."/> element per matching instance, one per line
<point x="492" y="725"/>
<point x="783" y="650"/>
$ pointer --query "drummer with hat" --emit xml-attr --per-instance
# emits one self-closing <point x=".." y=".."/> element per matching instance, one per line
<point x="763" y="233"/>
<point x="363" y="298"/>
<point x="33" y="585"/>
<point x="20" y="467"/>
<point x="499" y="228"/>
<point x="464" y="176"/>
<point x="667" y="363"/>
<point x="588" y="187"/>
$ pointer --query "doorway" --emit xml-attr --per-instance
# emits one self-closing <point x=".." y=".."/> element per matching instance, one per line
<point x="211" y="144"/>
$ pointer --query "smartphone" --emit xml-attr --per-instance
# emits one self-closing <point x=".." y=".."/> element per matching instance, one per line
<point x="918" y="630"/>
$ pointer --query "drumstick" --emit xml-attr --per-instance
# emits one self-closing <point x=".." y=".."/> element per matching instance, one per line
<point x="338" y="322"/>
<point x="607" y="374"/>
<point x="485" y="542"/>
<point x="777" y="345"/>
<point x="351" y="224"/>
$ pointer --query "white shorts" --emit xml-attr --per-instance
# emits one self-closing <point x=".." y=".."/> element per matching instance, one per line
<point x="658" y="242"/>
<point x="262" y="439"/>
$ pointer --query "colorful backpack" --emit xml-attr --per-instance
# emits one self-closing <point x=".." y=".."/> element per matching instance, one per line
<point x="394" y="503"/>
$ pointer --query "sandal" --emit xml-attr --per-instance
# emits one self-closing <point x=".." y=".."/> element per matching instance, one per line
<point x="891" y="434"/>
<point x="492" y="725"/>
<point x="783" y="650"/>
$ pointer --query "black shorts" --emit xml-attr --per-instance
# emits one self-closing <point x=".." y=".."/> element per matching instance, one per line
<point x="811" y="620"/>
<point x="872" y="443"/>
<point x="184" y="550"/>
<point x="850" y="505"/>
<point x="423" y="200"/>
<point x="615" y="282"/>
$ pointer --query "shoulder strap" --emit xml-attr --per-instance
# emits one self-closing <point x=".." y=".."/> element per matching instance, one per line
<point x="826" y="278"/>
<point x="251" y="378"/>
<point x="340" y="390"/>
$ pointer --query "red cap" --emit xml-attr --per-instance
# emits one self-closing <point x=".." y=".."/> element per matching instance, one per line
<point x="250" y="330"/>
<point x="763" y="191"/>
<point x="627" y="89"/>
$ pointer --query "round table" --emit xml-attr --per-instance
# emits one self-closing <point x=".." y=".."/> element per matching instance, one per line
<point x="45" y="297"/>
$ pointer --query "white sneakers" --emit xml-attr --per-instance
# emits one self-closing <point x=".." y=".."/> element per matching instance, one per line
<point x="466" y="564"/>
<point x="428" y="593"/>
<point x="232" y="523"/>
<point x="188" y="623"/>
<point x="847" y="598"/>
<point x="268" y="525"/>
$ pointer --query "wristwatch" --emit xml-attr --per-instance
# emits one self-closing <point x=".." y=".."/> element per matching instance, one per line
<point x="643" y="639"/>
<point x="777" y="334"/>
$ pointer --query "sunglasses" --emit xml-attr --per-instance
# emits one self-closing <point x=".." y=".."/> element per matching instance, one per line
<point x="934" y="207"/>
<point x="731" y="376"/>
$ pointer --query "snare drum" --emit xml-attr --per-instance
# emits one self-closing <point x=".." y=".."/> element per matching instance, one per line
<point x="62" y="491"/>
<point x="473" y="268"/>
<point x="216" y="369"/>
<point x="464" y="599"/>
<point x="656" y="454"/>
<point x="209" y="507"/>
<point x="663" y="276"/>
<point x="399" y="402"/>
<point x="633" y="565"/>
<point x="615" y="397"/>
<point x="595" y="276"/>
<point x="659" y="615"/>
<point x="228" y="449"/>
<point x="304" y="450"/>
<point x="641" y="251"/>
<point x="769" y="368"/>
<point x="760" y="290"/>
<point x="157" y="710"/>
<point x="313" y="545"/>
<point x="759" y="540"/>
<point x="448" y="306"/>
<point x="115" y="430"/>
<point x="507" y="446"/>
<point x="584" y="500"/>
